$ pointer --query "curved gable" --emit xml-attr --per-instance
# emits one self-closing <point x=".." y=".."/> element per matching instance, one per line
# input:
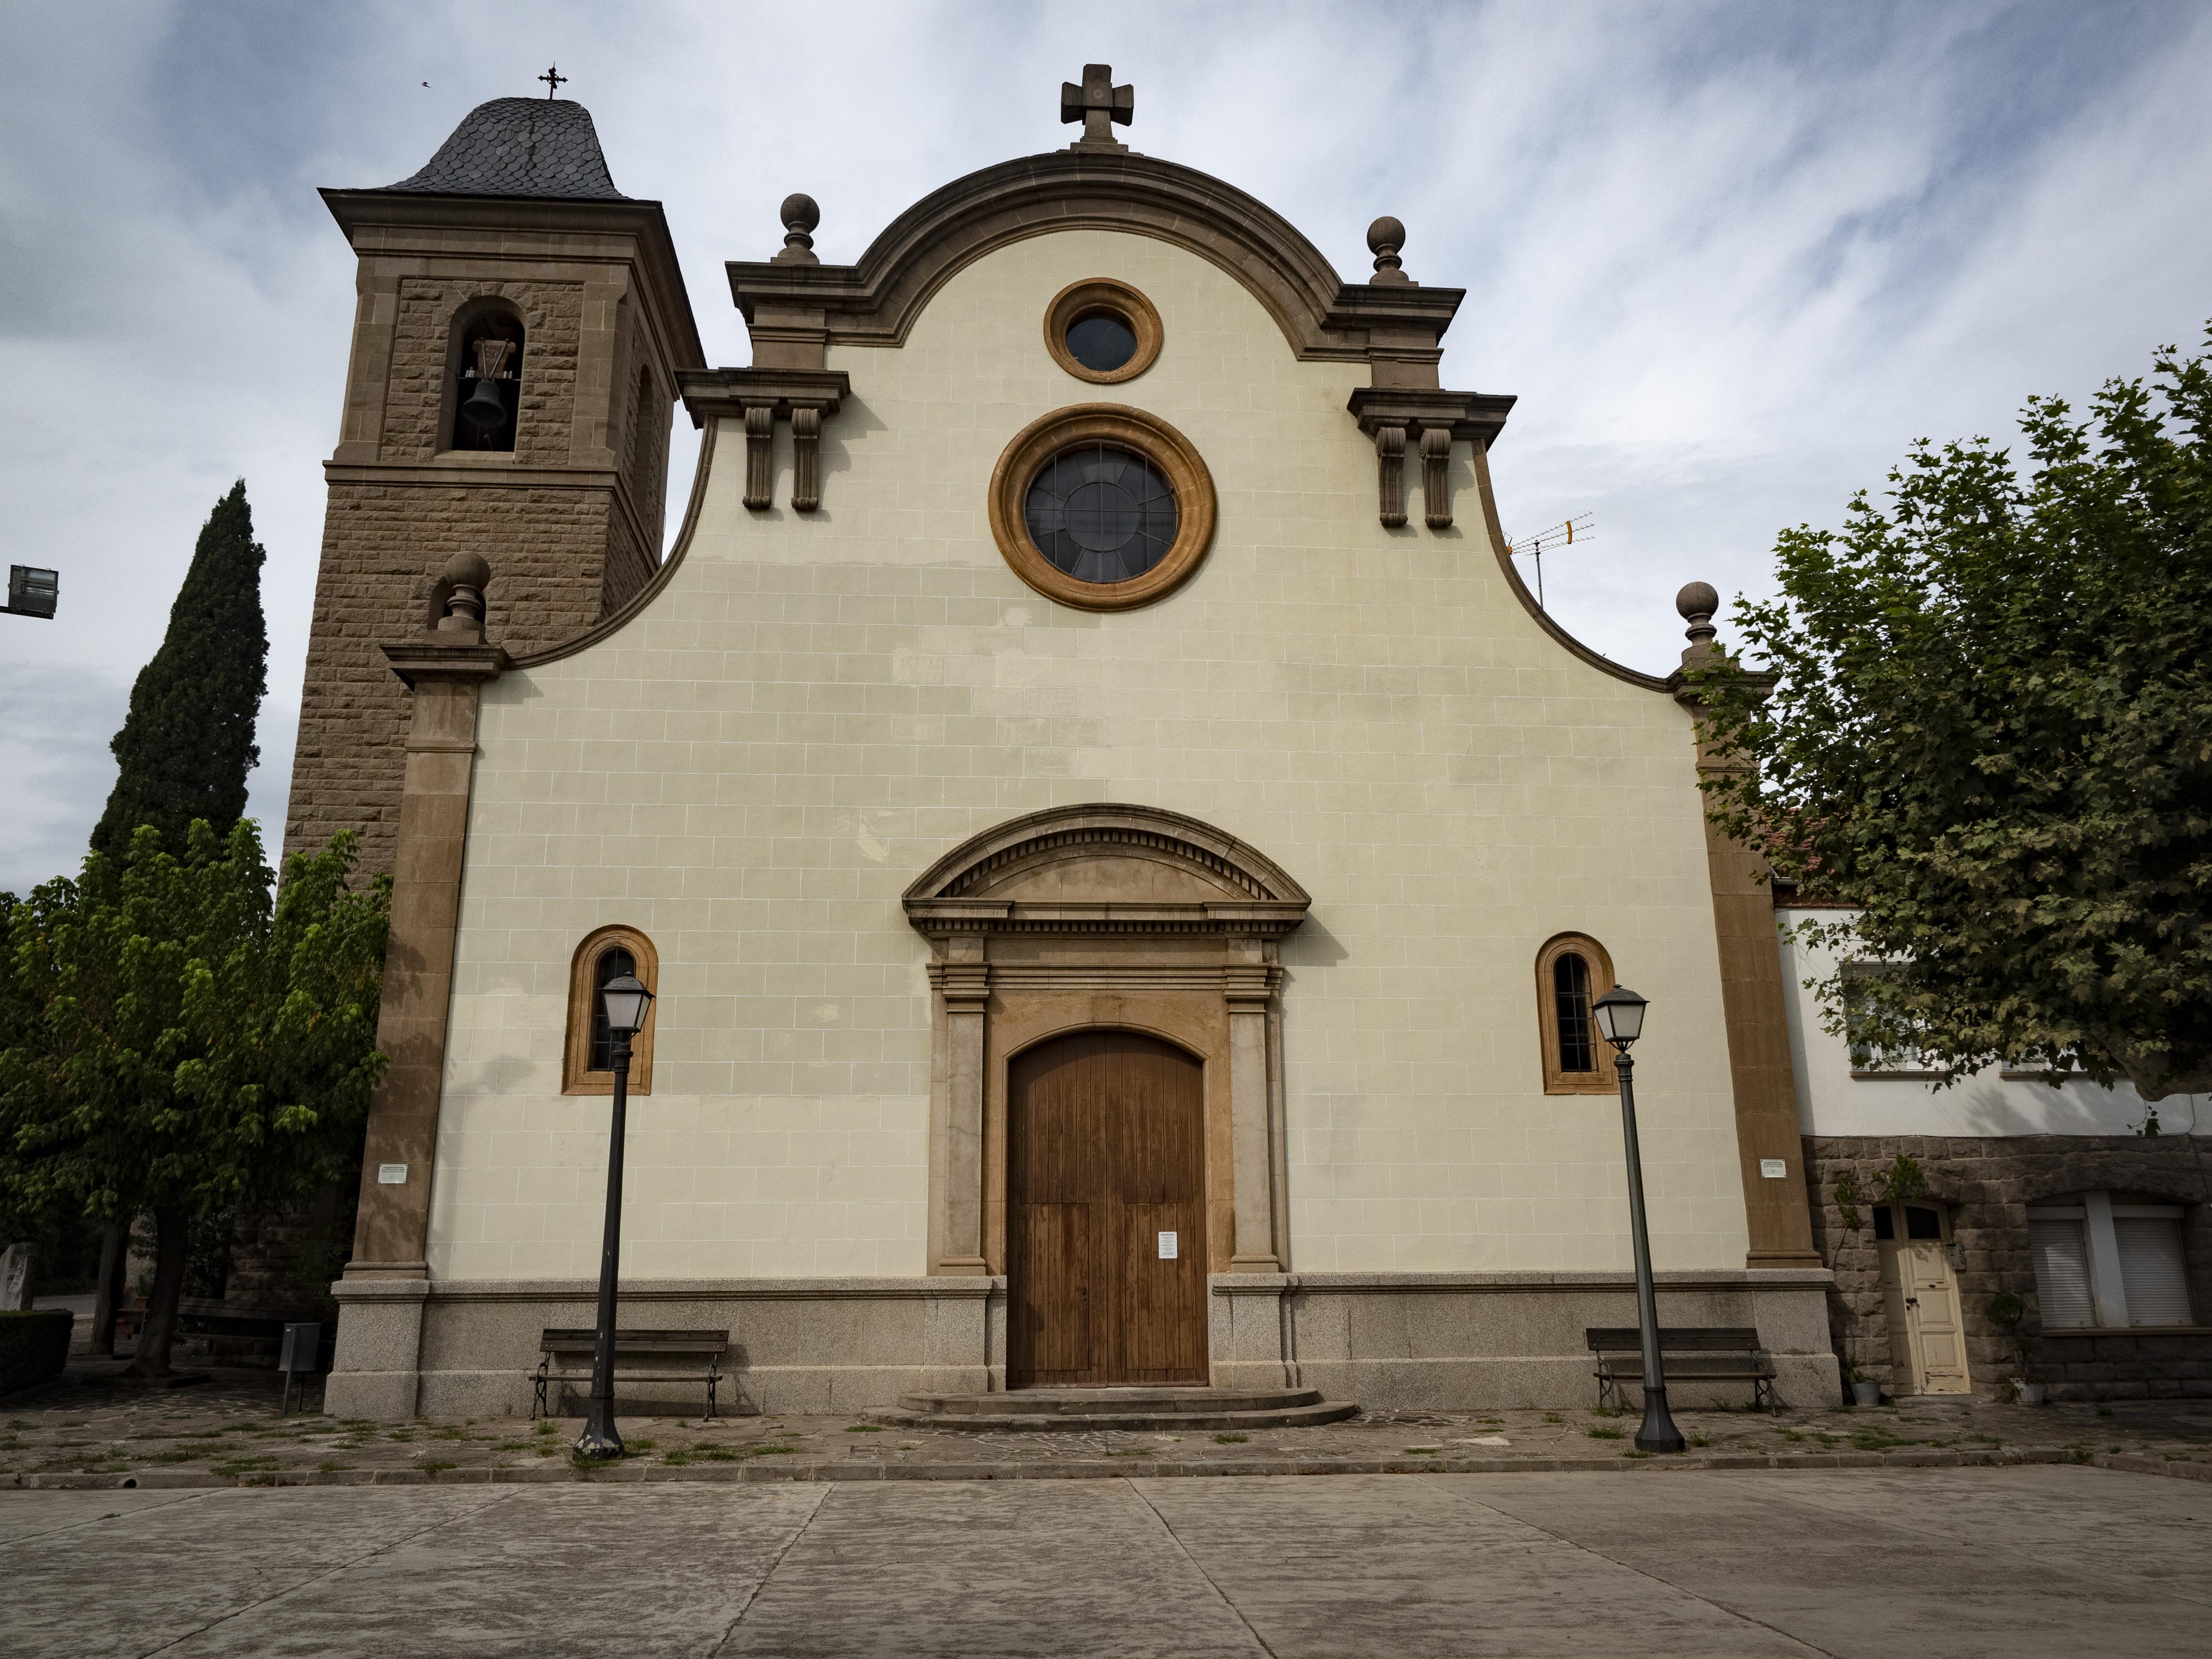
<point x="794" y="310"/>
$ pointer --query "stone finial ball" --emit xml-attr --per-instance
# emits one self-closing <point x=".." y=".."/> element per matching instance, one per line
<point x="799" y="212"/>
<point x="1385" y="234"/>
<point x="468" y="570"/>
<point x="1697" y="599"/>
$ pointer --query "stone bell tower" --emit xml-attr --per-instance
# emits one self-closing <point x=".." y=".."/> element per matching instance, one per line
<point x="520" y="328"/>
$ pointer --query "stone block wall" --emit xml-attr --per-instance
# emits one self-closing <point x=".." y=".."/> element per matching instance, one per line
<point x="383" y="547"/>
<point x="568" y="542"/>
<point x="1987" y="1184"/>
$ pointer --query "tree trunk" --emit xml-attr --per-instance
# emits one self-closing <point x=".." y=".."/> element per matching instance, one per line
<point x="107" y="1295"/>
<point x="172" y="1237"/>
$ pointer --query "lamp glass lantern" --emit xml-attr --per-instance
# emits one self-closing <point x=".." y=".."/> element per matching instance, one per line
<point x="1619" y="1014"/>
<point x="625" y="1000"/>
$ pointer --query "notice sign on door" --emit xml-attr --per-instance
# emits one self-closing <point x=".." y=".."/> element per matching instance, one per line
<point x="1167" y="1246"/>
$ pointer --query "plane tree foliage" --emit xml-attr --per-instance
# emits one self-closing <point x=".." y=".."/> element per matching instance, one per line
<point x="1988" y="732"/>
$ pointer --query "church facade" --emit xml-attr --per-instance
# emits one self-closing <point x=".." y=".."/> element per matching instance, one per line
<point x="1122" y="863"/>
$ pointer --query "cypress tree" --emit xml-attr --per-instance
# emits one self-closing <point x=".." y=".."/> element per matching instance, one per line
<point x="188" y="743"/>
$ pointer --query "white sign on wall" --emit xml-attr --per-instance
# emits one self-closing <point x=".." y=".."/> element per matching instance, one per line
<point x="1167" y="1246"/>
<point x="1774" y="1168"/>
<point x="391" y="1174"/>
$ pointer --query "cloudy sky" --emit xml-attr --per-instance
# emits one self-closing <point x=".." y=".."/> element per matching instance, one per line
<point x="1733" y="258"/>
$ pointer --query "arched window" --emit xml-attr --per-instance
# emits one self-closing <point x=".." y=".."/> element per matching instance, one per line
<point x="1572" y="972"/>
<point x="487" y="376"/>
<point x="603" y="955"/>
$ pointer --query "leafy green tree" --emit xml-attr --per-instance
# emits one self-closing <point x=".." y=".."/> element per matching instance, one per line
<point x="188" y="743"/>
<point x="180" y="1042"/>
<point x="1990" y="729"/>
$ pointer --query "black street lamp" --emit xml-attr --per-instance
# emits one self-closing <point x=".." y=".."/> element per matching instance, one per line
<point x="1620" y="1019"/>
<point x="625" y="1000"/>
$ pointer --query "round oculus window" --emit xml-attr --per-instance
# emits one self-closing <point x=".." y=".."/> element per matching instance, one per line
<point x="1102" y="507"/>
<point x="1101" y="513"/>
<point x="1102" y="342"/>
<point x="1102" y="330"/>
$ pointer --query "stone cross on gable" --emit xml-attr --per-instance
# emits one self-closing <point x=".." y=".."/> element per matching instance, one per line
<point x="1097" y="103"/>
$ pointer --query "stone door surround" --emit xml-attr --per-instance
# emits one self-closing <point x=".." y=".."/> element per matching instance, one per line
<point x="1111" y="916"/>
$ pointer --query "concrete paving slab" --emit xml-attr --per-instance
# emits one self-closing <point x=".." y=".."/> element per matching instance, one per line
<point x="1389" y="1564"/>
<point x="2118" y="1527"/>
<point x="2025" y="1562"/>
<point x="168" y="1570"/>
<point x="559" y="1570"/>
<point x="967" y="1569"/>
<point x="25" y="1514"/>
<point x="1885" y="1577"/>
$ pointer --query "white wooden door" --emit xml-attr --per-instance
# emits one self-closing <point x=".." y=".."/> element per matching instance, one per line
<point x="1926" y="1334"/>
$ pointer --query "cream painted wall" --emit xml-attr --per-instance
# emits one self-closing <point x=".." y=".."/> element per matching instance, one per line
<point x="1832" y="1102"/>
<point x="817" y="706"/>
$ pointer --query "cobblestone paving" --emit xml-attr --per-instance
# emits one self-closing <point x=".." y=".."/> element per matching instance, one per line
<point x="89" y="1432"/>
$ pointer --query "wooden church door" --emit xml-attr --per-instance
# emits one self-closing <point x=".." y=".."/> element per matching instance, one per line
<point x="1105" y="1213"/>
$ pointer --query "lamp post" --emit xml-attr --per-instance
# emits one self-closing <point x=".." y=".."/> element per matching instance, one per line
<point x="1619" y="1014"/>
<point x="625" y="1001"/>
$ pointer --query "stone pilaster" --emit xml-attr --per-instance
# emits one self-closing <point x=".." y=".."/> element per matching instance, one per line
<point x="446" y="671"/>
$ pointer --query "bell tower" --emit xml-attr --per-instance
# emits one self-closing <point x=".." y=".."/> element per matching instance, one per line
<point x="518" y="331"/>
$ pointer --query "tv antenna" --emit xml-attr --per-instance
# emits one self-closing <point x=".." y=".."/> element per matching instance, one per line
<point x="1565" y="533"/>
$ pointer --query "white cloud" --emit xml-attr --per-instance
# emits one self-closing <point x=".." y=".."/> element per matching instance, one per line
<point x="1732" y="258"/>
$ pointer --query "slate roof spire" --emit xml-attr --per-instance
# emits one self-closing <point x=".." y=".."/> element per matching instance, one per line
<point x="521" y="146"/>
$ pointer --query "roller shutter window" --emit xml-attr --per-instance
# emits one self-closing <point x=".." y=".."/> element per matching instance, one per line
<point x="2153" y="1271"/>
<point x="2061" y="1249"/>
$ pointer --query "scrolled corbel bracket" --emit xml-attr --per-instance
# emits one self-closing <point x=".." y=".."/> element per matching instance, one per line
<point x="805" y="458"/>
<point x="1435" y="419"/>
<point x="1436" y="477"/>
<point x="760" y="397"/>
<point x="1390" y="475"/>
<point x="760" y="455"/>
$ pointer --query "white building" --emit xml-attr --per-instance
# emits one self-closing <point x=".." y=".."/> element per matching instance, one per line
<point x="2051" y="1193"/>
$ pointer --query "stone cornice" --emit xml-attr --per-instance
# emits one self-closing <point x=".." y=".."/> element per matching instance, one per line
<point x="431" y="659"/>
<point x="511" y="224"/>
<point x="446" y="473"/>
<point x="1476" y="416"/>
<point x="1678" y="685"/>
<point x="709" y="392"/>
<point x="942" y="919"/>
<point x="933" y="1287"/>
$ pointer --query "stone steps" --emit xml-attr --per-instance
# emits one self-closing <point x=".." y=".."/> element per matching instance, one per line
<point x="1065" y="1411"/>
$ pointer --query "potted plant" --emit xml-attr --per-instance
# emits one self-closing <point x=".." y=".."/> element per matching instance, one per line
<point x="1865" y="1391"/>
<point x="2007" y="1312"/>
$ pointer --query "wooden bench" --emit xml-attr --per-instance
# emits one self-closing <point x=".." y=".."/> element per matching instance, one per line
<point x="1712" y="1354"/>
<point x="568" y="1358"/>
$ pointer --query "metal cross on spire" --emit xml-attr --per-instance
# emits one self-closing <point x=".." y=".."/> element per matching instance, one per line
<point x="1097" y="103"/>
<point x="553" y="79"/>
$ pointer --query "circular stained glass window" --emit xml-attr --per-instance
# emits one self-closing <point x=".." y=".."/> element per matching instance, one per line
<point x="1102" y="342"/>
<point x="1101" y="513"/>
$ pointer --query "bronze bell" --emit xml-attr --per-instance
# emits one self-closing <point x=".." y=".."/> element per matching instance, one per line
<point x="485" y="409"/>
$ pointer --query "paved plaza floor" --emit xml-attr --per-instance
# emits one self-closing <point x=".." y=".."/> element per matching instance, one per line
<point x="2021" y="1563"/>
